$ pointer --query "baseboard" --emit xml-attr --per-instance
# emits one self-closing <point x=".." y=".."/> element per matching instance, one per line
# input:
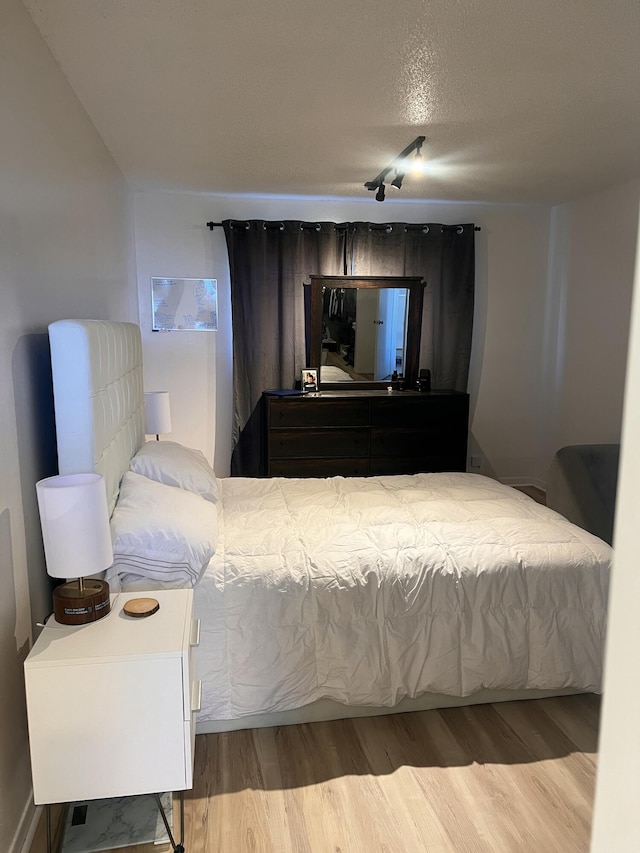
<point x="27" y="827"/>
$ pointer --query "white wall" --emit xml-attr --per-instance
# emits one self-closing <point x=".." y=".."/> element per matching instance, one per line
<point x="172" y="241"/>
<point x="505" y="364"/>
<point x="511" y="259"/>
<point x="616" y="828"/>
<point x="64" y="252"/>
<point x="584" y="351"/>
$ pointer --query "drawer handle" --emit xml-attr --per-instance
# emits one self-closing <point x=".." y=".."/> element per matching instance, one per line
<point x="195" y="633"/>
<point x="196" y="696"/>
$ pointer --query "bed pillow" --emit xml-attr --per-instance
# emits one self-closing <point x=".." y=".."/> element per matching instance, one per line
<point x="174" y="465"/>
<point x="162" y="533"/>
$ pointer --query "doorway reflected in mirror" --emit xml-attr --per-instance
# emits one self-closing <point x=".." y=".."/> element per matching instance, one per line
<point x="365" y="329"/>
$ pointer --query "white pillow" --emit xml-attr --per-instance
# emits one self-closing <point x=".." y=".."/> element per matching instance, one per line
<point x="174" y="465"/>
<point x="161" y="532"/>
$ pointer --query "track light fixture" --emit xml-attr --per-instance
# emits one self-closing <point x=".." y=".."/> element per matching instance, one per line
<point x="399" y="165"/>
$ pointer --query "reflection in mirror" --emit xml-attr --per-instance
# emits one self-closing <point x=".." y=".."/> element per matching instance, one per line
<point x="364" y="333"/>
<point x="365" y="329"/>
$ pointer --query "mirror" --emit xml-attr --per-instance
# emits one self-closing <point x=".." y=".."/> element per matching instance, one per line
<point x="363" y="328"/>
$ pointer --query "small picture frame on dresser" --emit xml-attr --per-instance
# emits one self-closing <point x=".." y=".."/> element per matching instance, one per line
<point x="309" y="380"/>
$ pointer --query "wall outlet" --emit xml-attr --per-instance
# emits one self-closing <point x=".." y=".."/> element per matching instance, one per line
<point x="476" y="461"/>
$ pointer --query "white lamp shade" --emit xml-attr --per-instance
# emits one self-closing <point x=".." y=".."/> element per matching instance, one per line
<point x="75" y="525"/>
<point x="157" y="412"/>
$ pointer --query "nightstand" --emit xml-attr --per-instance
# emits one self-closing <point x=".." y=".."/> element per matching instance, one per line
<point x="111" y="705"/>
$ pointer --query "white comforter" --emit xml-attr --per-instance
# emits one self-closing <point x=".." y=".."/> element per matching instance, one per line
<point x="367" y="591"/>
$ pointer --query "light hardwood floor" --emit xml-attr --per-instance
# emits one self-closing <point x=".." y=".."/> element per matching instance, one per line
<point x="505" y="778"/>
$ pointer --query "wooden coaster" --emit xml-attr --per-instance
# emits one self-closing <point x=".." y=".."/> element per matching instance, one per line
<point x="141" y="607"/>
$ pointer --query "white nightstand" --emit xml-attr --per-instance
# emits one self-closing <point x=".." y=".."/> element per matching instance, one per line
<point x="111" y="704"/>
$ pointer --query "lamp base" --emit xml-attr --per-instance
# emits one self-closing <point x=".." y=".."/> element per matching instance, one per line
<point x="72" y="606"/>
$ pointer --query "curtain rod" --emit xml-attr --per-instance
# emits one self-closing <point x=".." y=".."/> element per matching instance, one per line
<point x="212" y="225"/>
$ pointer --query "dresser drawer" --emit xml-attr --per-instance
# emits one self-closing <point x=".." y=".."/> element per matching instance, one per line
<point x="311" y="412"/>
<point x="420" y="409"/>
<point x="428" y="440"/>
<point x="320" y="467"/>
<point x="358" y="434"/>
<point x="329" y="442"/>
<point x="382" y="465"/>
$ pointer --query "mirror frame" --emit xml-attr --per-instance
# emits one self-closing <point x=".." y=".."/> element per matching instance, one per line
<point x="415" y="287"/>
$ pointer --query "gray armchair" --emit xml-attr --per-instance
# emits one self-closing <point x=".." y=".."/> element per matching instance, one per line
<point x="581" y="485"/>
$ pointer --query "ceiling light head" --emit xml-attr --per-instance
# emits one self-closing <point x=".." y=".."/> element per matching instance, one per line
<point x="418" y="163"/>
<point x="401" y="164"/>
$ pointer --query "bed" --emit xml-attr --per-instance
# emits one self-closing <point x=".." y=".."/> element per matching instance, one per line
<point x="332" y="373"/>
<point x="322" y="599"/>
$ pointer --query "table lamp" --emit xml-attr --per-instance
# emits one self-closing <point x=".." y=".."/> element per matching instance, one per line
<point x="157" y="413"/>
<point x="77" y="542"/>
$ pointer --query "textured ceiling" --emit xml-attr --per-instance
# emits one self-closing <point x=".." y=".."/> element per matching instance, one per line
<point x="519" y="100"/>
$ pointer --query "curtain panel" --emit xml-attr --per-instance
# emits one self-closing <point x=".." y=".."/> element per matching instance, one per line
<point x="444" y="256"/>
<point x="270" y="261"/>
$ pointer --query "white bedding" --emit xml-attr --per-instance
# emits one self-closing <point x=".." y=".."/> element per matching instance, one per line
<point x="368" y="590"/>
<point x="331" y="373"/>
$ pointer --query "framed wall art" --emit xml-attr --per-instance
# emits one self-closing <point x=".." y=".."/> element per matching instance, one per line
<point x="184" y="304"/>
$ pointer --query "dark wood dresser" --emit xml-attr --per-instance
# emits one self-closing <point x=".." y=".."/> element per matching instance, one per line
<point x="365" y="433"/>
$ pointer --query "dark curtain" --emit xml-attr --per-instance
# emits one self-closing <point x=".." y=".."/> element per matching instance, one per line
<point x="269" y="261"/>
<point x="444" y="255"/>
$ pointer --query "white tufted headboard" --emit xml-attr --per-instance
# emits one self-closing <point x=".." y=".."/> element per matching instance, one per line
<point x="98" y="397"/>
